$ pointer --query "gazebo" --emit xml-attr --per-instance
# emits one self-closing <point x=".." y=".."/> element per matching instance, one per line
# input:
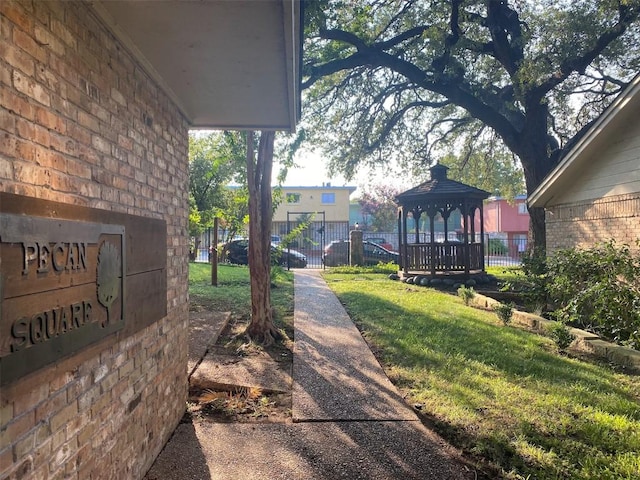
<point x="425" y="253"/>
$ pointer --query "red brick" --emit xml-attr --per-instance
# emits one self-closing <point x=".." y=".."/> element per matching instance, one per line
<point x="89" y="121"/>
<point x="61" y="418"/>
<point x="78" y="168"/>
<point x="63" y="182"/>
<point x="62" y="32"/>
<point x="25" y="445"/>
<point x="16" y="13"/>
<point x="32" y="132"/>
<point x="50" y="120"/>
<point x="48" y="79"/>
<point x="17" y="58"/>
<point x="50" y="159"/>
<point x="5" y="74"/>
<point x="23" y="468"/>
<point x="72" y="170"/>
<point x="16" y="104"/>
<point x="63" y="144"/>
<point x="67" y="72"/>
<point x="6" y="460"/>
<point x="45" y="37"/>
<point x="61" y="380"/>
<point x="18" y="427"/>
<point x="29" y="45"/>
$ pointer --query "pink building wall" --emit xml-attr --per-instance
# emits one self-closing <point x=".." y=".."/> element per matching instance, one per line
<point x="502" y="216"/>
<point x="510" y="220"/>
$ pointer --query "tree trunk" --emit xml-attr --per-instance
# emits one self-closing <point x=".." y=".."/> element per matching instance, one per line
<point x="535" y="170"/>
<point x="261" y="329"/>
<point x="534" y="148"/>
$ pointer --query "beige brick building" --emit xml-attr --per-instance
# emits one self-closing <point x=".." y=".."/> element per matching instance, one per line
<point x="95" y="108"/>
<point x="332" y="200"/>
<point x="593" y="195"/>
<point x="326" y="206"/>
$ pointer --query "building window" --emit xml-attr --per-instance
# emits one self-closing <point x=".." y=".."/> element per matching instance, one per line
<point x="522" y="208"/>
<point x="293" y="198"/>
<point x="328" y="198"/>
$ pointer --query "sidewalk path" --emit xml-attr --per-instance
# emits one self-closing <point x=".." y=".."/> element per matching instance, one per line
<point x="335" y="375"/>
<point x="349" y="420"/>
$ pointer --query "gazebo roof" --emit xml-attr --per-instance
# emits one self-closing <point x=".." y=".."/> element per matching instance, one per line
<point x="439" y="187"/>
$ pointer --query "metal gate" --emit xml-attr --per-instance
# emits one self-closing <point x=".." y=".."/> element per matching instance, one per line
<point x="306" y="234"/>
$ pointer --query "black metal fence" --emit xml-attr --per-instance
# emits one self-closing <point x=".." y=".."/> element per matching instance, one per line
<point x="501" y="250"/>
<point x="504" y="251"/>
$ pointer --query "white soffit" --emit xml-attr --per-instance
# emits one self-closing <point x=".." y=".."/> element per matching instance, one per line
<point x="227" y="64"/>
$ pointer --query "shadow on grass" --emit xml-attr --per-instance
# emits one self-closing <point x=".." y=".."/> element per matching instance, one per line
<point x="498" y="392"/>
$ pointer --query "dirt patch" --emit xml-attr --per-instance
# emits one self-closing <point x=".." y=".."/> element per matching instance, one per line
<point x="239" y="404"/>
<point x="240" y="381"/>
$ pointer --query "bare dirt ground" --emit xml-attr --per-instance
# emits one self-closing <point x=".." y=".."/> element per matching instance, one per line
<point x="243" y="382"/>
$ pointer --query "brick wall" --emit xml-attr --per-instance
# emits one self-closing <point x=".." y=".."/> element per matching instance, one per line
<point x="586" y="223"/>
<point x="81" y="123"/>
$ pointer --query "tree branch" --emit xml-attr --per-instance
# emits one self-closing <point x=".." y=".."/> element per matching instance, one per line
<point x="397" y="116"/>
<point x="503" y="22"/>
<point x="579" y="63"/>
<point x="316" y="72"/>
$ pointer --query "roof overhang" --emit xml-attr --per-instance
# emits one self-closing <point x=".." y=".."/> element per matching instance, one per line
<point x="623" y="109"/>
<point x="230" y="64"/>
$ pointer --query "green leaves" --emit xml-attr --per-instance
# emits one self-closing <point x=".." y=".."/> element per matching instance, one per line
<point x="215" y="160"/>
<point x="598" y="289"/>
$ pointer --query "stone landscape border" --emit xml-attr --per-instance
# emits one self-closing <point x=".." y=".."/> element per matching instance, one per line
<point x="585" y="341"/>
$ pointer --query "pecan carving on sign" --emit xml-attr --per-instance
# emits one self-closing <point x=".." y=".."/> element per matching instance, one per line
<point x="108" y="277"/>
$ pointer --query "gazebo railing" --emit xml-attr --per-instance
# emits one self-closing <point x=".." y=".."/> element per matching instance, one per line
<point x="445" y="256"/>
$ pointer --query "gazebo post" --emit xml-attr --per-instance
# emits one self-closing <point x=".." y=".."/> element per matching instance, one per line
<point x="482" y="238"/>
<point x="472" y="219"/>
<point x="404" y="242"/>
<point x="432" y="246"/>
<point x="448" y="257"/>
<point x="465" y="221"/>
<point x="473" y="224"/>
<point x="399" y="218"/>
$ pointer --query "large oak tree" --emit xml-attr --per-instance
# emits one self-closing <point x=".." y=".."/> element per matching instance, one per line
<point x="411" y="80"/>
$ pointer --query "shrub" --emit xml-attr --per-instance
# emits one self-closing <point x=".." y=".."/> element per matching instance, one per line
<point x="561" y="335"/>
<point x="504" y="311"/>
<point x="597" y="289"/>
<point x="496" y="246"/>
<point x="531" y="281"/>
<point x="466" y="294"/>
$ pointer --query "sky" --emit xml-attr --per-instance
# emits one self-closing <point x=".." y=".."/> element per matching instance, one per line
<point x="312" y="172"/>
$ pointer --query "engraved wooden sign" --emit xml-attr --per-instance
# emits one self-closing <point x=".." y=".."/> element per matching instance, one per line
<point x="62" y="286"/>
<point x="66" y="283"/>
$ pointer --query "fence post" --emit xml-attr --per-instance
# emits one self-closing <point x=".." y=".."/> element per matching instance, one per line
<point x="486" y="249"/>
<point x="213" y="249"/>
<point x="356" y="250"/>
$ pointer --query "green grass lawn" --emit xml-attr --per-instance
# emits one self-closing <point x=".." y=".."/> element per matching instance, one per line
<point x="506" y="274"/>
<point x="503" y="395"/>
<point x="233" y="293"/>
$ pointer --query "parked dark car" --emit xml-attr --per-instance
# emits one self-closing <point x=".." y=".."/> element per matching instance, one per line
<point x="380" y="241"/>
<point x="337" y="253"/>
<point x="237" y="251"/>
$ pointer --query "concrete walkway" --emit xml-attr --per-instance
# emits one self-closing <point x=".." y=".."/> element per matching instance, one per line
<point x="349" y="421"/>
